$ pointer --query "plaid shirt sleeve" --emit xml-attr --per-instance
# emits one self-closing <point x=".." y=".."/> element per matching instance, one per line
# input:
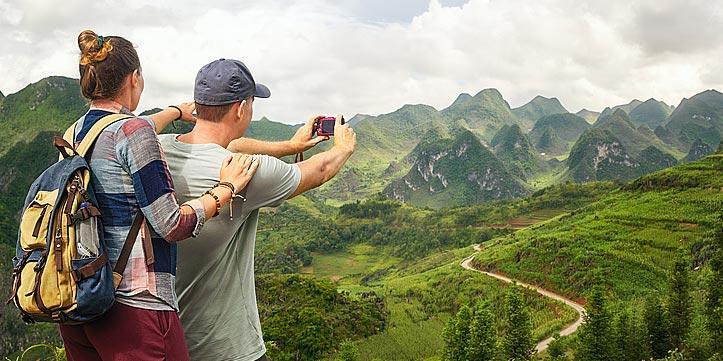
<point x="140" y="154"/>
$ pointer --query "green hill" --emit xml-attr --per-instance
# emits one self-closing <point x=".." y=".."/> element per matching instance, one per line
<point x="626" y="241"/>
<point x="549" y="143"/>
<point x="627" y="108"/>
<point x="381" y="141"/>
<point x="485" y="113"/>
<point x="698" y="149"/>
<point x="701" y="116"/>
<point x="589" y="115"/>
<point x="21" y="164"/>
<point x="652" y="159"/>
<point x="537" y="108"/>
<point x="614" y="149"/>
<point x="455" y="171"/>
<point x="357" y="118"/>
<point x="619" y="124"/>
<point x="50" y="105"/>
<point x="567" y="126"/>
<point x="516" y="152"/>
<point x="600" y="155"/>
<point x="269" y="130"/>
<point x="651" y="113"/>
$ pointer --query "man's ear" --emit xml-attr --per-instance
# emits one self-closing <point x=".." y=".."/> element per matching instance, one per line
<point x="241" y="109"/>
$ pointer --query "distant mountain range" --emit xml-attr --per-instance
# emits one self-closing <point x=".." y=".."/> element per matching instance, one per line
<point x="589" y="115"/>
<point x="412" y="153"/>
<point x="555" y="134"/>
<point x="537" y="108"/>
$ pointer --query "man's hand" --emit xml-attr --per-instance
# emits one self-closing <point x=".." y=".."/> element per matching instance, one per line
<point x="304" y="140"/>
<point x="320" y="168"/>
<point x="344" y="136"/>
<point x="187" y="112"/>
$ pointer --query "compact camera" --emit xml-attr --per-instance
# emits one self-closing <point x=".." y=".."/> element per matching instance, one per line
<point x="324" y="126"/>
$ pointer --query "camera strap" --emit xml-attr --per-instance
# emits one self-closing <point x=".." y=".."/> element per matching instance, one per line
<point x="299" y="157"/>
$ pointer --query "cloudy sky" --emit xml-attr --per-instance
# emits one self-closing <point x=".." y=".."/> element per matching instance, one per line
<point x="373" y="56"/>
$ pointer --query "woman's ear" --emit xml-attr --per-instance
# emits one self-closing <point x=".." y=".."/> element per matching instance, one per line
<point x="136" y="83"/>
<point x="137" y="78"/>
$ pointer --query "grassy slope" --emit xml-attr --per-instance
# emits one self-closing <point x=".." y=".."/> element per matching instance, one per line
<point x="421" y="296"/>
<point x="50" y="105"/>
<point x="626" y="240"/>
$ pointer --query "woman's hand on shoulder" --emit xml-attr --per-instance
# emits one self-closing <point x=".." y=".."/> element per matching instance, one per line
<point x="238" y="169"/>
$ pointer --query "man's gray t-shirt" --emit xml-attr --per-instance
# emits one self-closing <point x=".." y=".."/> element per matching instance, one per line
<point x="215" y="272"/>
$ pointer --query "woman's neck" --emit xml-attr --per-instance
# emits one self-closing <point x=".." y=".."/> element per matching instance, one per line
<point x="109" y="105"/>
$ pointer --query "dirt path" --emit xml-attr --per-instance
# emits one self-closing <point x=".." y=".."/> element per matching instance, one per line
<point x="542" y="345"/>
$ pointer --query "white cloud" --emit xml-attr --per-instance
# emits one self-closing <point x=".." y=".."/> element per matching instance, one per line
<point x="351" y="57"/>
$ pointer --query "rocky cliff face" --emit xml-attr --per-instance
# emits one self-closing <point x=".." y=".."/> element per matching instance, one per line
<point x="599" y="155"/>
<point x="698" y="149"/>
<point x="515" y="150"/>
<point x="457" y="170"/>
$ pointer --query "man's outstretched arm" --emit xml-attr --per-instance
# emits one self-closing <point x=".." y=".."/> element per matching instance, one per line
<point x="322" y="167"/>
<point x="302" y="141"/>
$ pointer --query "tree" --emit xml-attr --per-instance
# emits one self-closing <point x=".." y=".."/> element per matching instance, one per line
<point x="656" y="325"/>
<point x="455" y="336"/>
<point x="629" y="340"/>
<point x="596" y="341"/>
<point x="679" y="303"/>
<point x="518" y="343"/>
<point x="314" y="334"/>
<point x="482" y="341"/>
<point x="714" y="297"/>
<point x="556" y="349"/>
<point x="348" y="351"/>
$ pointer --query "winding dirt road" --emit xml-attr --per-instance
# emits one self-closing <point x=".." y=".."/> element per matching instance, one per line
<point x="542" y="345"/>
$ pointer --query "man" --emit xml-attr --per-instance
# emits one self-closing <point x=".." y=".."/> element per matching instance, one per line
<point x="215" y="273"/>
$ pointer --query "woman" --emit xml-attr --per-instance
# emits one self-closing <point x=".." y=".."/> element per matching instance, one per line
<point x="130" y="175"/>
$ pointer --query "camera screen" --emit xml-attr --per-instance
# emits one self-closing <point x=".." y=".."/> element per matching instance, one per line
<point x="327" y="126"/>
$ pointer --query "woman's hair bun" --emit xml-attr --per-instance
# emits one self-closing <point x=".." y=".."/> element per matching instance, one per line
<point x="93" y="48"/>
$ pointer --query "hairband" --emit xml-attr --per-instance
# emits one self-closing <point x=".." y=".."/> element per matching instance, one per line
<point x="100" y="41"/>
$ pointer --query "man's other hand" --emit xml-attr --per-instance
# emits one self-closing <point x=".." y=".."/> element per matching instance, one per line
<point x="344" y="136"/>
<point x="304" y="140"/>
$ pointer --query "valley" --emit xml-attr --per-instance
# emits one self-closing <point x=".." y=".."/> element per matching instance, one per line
<point x="382" y="258"/>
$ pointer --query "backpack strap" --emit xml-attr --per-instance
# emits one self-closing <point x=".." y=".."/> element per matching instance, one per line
<point x="95" y="131"/>
<point x="90" y="137"/>
<point x="69" y="134"/>
<point x="66" y="142"/>
<point x="125" y="253"/>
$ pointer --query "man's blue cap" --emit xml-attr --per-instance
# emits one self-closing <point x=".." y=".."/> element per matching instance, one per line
<point x="226" y="81"/>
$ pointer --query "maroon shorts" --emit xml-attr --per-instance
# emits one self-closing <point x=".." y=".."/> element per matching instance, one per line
<point x="127" y="333"/>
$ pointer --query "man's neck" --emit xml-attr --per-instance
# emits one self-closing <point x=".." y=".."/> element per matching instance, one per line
<point x="205" y="132"/>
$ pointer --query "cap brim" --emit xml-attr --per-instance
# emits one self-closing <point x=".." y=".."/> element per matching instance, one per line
<point x="262" y="91"/>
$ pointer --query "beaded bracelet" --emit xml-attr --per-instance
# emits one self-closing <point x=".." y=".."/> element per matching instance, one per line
<point x="218" y="201"/>
<point x="228" y="185"/>
<point x="233" y="195"/>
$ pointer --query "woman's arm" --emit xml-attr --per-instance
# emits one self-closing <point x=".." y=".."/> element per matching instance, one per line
<point x="168" y="115"/>
<point x="141" y="156"/>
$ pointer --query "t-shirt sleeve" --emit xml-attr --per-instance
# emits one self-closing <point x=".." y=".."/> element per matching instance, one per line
<point x="274" y="181"/>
